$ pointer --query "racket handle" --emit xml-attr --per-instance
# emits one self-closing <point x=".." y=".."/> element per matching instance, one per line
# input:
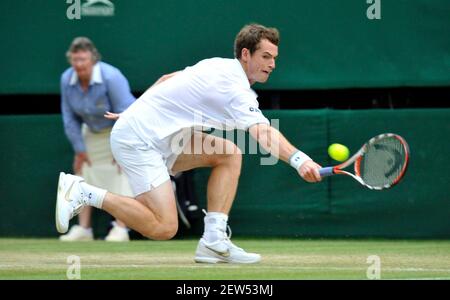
<point x="324" y="172"/>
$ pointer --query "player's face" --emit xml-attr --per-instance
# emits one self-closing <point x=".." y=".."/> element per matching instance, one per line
<point x="262" y="62"/>
<point x="82" y="63"/>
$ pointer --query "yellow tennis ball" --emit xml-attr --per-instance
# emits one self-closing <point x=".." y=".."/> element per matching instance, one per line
<point x="338" y="152"/>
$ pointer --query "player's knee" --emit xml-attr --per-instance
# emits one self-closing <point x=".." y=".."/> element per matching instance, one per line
<point x="234" y="158"/>
<point x="232" y="154"/>
<point x="161" y="232"/>
<point x="233" y="162"/>
<point x="167" y="233"/>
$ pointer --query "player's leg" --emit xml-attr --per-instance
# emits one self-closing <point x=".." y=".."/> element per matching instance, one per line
<point x="225" y="161"/>
<point x="154" y="213"/>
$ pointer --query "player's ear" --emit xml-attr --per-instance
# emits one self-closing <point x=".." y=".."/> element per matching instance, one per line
<point x="245" y="54"/>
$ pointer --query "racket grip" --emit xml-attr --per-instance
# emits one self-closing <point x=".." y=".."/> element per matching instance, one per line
<point x="324" y="172"/>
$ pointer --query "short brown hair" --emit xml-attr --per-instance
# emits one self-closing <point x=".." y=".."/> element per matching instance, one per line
<point x="250" y="36"/>
<point x="82" y="43"/>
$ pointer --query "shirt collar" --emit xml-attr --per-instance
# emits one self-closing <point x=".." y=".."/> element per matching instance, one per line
<point x="95" y="78"/>
<point x="242" y="72"/>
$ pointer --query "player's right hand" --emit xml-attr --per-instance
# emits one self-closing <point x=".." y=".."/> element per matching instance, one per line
<point x="309" y="171"/>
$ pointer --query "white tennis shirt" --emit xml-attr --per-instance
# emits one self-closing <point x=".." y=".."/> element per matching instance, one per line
<point x="214" y="93"/>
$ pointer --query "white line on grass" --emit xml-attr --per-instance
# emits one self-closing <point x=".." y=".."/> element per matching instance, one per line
<point x="228" y="266"/>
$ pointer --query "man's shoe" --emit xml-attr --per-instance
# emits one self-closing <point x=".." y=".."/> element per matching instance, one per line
<point x="223" y="251"/>
<point x="78" y="233"/>
<point x="70" y="200"/>
<point x="117" y="234"/>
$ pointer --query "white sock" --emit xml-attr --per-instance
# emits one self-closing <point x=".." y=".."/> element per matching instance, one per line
<point x="115" y="224"/>
<point x="87" y="229"/>
<point x="215" y="226"/>
<point x="94" y="194"/>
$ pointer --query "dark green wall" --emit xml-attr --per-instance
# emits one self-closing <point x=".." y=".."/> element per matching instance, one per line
<point x="271" y="200"/>
<point x="324" y="43"/>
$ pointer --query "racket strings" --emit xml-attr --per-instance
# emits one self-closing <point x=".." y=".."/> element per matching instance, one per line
<point x="382" y="163"/>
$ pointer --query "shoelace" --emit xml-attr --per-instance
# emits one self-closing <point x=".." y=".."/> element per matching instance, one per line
<point x="227" y="237"/>
<point x="77" y="209"/>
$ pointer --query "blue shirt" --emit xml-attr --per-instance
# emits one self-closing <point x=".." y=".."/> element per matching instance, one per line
<point x="108" y="91"/>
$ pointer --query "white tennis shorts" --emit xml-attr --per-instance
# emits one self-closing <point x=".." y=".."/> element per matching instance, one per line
<point x="102" y="172"/>
<point x="147" y="164"/>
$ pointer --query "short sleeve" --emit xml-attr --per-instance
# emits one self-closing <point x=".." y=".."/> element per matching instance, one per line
<point x="245" y="111"/>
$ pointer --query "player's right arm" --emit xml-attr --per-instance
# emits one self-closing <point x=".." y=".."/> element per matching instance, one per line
<point x="276" y="144"/>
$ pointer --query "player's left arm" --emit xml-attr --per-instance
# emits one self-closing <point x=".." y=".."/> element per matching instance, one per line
<point x="115" y="116"/>
<point x="276" y="144"/>
<point x="163" y="78"/>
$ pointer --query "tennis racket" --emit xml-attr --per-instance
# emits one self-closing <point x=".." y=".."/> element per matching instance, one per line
<point x="379" y="164"/>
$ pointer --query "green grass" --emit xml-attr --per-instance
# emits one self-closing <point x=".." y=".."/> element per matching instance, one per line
<point x="282" y="259"/>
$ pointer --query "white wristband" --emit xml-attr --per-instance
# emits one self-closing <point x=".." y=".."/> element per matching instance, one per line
<point x="297" y="159"/>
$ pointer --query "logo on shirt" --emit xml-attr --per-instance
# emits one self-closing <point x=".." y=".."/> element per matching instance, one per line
<point x="91" y="8"/>
<point x="254" y="109"/>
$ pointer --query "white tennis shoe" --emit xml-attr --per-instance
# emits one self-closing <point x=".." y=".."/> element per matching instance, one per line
<point x="223" y="251"/>
<point x="70" y="200"/>
<point x="78" y="233"/>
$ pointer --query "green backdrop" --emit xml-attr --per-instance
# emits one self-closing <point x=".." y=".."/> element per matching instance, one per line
<point x="324" y="43"/>
<point x="271" y="200"/>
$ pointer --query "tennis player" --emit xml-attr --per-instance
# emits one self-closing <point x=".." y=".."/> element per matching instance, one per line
<point x="147" y="138"/>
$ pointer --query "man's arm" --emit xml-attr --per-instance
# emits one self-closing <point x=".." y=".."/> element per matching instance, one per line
<point x="116" y="116"/>
<point x="72" y="128"/>
<point x="72" y="123"/>
<point x="164" y="78"/>
<point x="276" y="144"/>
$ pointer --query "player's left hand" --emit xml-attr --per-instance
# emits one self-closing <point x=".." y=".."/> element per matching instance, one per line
<point x="309" y="171"/>
<point x="111" y="116"/>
